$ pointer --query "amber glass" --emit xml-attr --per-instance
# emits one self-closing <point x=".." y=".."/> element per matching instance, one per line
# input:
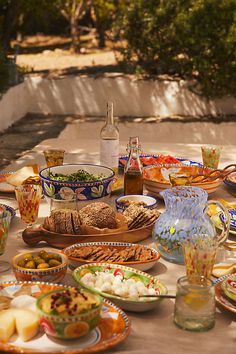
<point x="133" y="173"/>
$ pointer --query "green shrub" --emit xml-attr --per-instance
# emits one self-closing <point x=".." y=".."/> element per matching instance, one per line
<point x="192" y="39"/>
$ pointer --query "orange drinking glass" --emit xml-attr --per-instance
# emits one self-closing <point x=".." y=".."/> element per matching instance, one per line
<point x="28" y="197"/>
<point x="54" y="157"/>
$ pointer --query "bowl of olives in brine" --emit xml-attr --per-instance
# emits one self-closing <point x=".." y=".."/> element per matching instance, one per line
<point x="41" y="265"/>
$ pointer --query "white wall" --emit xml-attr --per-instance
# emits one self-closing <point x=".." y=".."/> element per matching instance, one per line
<point x="14" y="104"/>
<point x="87" y="96"/>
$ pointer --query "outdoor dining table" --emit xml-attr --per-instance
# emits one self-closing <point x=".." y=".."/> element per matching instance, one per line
<point x="153" y="331"/>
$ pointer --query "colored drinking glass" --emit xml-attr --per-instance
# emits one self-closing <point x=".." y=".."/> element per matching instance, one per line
<point x="28" y="197"/>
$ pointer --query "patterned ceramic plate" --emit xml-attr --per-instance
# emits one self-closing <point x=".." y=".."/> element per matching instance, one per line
<point x="148" y="160"/>
<point x="232" y="213"/>
<point x="221" y="299"/>
<point x="156" y="178"/>
<point x="217" y="222"/>
<point x="4" y="186"/>
<point x="113" y="328"/>
<point x="231" y="181"/>
<point x="8" y="208"/>
<point x="145" y="264"/>
<point x="126" y="303"/>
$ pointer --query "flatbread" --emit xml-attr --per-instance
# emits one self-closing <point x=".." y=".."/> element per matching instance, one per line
<point x="16" y="179"/>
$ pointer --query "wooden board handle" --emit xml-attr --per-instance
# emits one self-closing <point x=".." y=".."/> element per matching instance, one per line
<point x="33" y="235"/>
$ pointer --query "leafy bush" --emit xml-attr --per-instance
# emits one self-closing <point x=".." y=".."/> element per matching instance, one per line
<point x="192" y="39"/>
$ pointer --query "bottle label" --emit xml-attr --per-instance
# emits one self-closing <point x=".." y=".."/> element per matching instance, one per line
<point x="109" y="153"/>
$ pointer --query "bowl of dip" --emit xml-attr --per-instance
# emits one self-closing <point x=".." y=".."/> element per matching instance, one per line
<point x="69" y="313"/>
<point x="135" y="199"/>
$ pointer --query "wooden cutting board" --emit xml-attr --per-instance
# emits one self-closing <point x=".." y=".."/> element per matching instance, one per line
<point x="36" y="234"/>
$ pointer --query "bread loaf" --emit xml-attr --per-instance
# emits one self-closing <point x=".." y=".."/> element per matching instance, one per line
<point x="99" y="215"/>
<point x="95" y="218"/>
<point x="63" y="221"/>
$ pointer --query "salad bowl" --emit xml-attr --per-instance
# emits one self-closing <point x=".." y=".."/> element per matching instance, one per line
<point x="82" y="182"/>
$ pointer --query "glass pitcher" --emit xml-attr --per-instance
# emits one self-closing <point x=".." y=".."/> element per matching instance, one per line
<point x="185" y="216"/>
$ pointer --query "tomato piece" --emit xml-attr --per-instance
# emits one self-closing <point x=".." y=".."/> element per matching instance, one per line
<point x="122" y="162"/>
<point x="119" y="272"/>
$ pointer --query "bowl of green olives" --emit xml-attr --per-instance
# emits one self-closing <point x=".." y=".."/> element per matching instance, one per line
<point x="41" y="265"/>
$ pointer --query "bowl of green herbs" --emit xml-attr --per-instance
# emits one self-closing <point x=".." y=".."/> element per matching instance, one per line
<point x="82" y="182"/>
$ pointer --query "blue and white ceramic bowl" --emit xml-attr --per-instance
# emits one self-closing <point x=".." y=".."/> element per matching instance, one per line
<point x="232" y="213"/>
<point x="123" y="202"/>
<point x="81" y="191"/>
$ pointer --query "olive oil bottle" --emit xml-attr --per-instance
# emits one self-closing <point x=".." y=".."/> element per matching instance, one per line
<point x="133" y="172"/>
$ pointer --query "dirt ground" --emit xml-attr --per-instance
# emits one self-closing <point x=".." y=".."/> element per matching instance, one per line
<point x="48" y="53"/>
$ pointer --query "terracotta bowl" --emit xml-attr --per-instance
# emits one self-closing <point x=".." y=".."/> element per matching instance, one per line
<point x="53" y="275"/>
<point x="156" y="178"/>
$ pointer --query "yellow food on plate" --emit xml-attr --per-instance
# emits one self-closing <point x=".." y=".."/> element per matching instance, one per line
<point x="7" y="325"/>
<point x="16" y="179"/>
<point x="221" y="269"/>
<point x="27" y="323"/>
<point x="24" y="322"/>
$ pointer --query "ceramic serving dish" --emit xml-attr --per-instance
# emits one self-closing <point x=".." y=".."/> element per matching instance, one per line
<point x="124" y="201"/>
<point x="131" y="303"/>
<point x="141" y="265"/>
<point x="232" y="213"/>
<point x="230" y="182"/>
<point x="81" y="191"/>
<point x="156" y="178"/>
<point x="152" y="159"/>
<point x="222" y="299"/>
<point x="36" y="234"/>
<point x="71" y="326"/>
<point x="228" y="287"/>
<point x="54" y="274"/>
<point x="4" y="207"/>
<point x="113" y="327"/>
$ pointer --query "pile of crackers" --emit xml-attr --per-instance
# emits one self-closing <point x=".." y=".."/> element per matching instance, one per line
<point x="137" y="216"/>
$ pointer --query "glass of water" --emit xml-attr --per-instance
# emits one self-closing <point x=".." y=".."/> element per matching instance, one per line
<point x="195" y="304"/>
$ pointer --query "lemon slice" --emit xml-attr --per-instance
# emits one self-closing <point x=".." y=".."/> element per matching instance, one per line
<point x="195" y="301"/>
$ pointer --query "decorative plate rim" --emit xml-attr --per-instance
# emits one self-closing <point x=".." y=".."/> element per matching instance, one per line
<point x="110" y="243"/>
<point x="219" y="294"/>
<point x="232" y="222"/>
<point x="10" y="209"/>
<point x="157" y="155"/>
<point x="114" y="297"/>
<point x="104" y="345"/>
<point x="213" y="218"/>
<point x="229" y="183"/>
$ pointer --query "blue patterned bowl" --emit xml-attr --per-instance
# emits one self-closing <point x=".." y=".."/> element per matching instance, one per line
<point x="81" y="191"/>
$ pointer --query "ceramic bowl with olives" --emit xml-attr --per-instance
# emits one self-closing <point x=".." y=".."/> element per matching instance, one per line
<point x="41" y="265"/>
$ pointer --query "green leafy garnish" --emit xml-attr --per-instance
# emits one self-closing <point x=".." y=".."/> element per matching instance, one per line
<point x="79" y="176"/>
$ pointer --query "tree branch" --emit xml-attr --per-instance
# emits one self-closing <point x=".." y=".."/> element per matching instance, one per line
<point x="65" y="14"/>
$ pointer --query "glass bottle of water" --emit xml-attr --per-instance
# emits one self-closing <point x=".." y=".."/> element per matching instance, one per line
<point x="109" y="141"/>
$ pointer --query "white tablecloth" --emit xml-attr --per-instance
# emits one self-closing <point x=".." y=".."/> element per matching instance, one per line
<point x="152" y="332"/>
